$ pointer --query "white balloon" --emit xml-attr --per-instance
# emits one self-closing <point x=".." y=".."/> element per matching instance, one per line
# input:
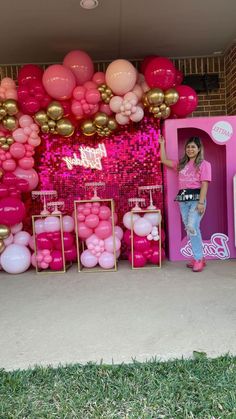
<point x="142" y="227"/>
<point x="22" y="237"/>
<point x="118" y="232"/>
<point x="15" y="259"/>
<point x="52" y="224"/>
<point x="127" y="219"/>
<point x="153" y="217"/>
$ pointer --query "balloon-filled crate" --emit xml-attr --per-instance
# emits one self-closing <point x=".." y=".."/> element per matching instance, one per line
<point x="146" y="249"/>
<point x="97" y="244"/>
<point x="49" y="244"/>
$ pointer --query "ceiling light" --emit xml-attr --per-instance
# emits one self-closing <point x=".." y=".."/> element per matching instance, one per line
<point x="89" y="4"/>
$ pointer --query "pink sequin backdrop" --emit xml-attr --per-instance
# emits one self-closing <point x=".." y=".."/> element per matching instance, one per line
<point x="132" y="160"/>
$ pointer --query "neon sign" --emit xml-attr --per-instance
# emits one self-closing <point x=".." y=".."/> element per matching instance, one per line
<point x="90" y="158"/>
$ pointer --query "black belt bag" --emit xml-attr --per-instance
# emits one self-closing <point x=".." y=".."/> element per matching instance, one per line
<point x="185" y="195"/>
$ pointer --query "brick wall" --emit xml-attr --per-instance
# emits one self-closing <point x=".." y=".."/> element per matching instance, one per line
<point x="230" y="78"/>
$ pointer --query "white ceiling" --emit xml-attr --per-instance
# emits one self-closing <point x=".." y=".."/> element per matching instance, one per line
<point x="43" y="31"/>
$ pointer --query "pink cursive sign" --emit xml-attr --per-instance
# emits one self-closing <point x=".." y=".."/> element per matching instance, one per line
<point x="216" y="248"/>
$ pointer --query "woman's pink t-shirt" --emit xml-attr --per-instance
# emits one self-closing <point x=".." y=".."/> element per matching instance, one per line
<point x="190" y="177"/>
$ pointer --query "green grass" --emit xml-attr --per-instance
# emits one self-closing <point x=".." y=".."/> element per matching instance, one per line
<point x="199" y="388"/>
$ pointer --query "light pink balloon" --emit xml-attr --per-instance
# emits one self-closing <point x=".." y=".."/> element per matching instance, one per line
<point x="9" y="240"/>
<point x="80" y="63"/>
<point x="154" y="218"/>
<point x="30" y="175"/>
<point x="99" y="77"/>
<point x="142" y="227"/>
<point x="19" y="136"/>
<point x="8" y="83"/>
<point x="59" y="81"/>
<point x="88" y="260"/>
<point x="127" y="219"/>
<point x="33" y="260"/>
<point x="115" y="103"/>
<point x="22" y="237"/>
<point x="39" y="226"/>
<point x="17" y="227"/>
<point x="31" y="243"/>
<point x="68" y="223"/>
<point x="15" y="259"/>
<point x="119" y="232"/>
<point x="103" y="230"/>
<point x="138" y="115"/>
<point x="25" y="121"/>
<point x="109" y="244"/>
<point x="122" y="119"/>
<point x="121" y="76"/>
<point x="92" y="96"/>
<point x="52" y="224"/>
<point x="11" y="94"/>
<point x="107" y="260"/>
<point x="138" y="91"/>
<point x="9" y="165"/>
<point x="90" y="239"/>
<point x="92" y="220"/>
<point x="26" y="163"/>
<point x="83" y="231"/>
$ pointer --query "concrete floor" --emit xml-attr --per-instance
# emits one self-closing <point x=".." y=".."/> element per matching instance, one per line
<point x="117" y="316"/>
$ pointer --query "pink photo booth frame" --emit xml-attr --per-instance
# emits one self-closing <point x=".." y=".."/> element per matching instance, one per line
<point x="218" y="135"/>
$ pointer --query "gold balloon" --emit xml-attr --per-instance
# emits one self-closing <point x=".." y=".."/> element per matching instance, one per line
<point x="155" y="96"/>
<point x="52" y="124"/>
<point x="2" y="246"/>
<point x="41" y="117"/>
<point x="171" y="97"/>
<point x="3" y="113"/>
<point x="4" y="232"/>
<point x="165" y="113"/>
<point x="65" y="127"/>
<point x="10" y="122"/>
<point x="163" y="107"/>
<point x="10" y="141"/>
<point x="145" y="100"/>
<point x="45" y="128"/>
<point x="101" y="119"/>
<point x="2" y="140"/>
<point x="1" y="173"/>
<point x="88" y="128"/>
<point x="155" y="109"/>
<point x="11" y="106"/>
<point x="157" y="115"/>
<point x="112" y="124"/>
<point x="55" y="111"/>
<point x="5" y="147"/>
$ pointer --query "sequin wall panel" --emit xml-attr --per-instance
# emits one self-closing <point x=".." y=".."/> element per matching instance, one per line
<point x="132" y="160"/>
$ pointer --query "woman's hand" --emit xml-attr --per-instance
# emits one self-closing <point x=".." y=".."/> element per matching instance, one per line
<point x="161" y="139"/>
<point x="200" y="208"/>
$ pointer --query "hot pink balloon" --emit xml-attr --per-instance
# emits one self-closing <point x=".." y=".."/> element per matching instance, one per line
<point x="88" y="260"/>
<point x="178" y="77"/>
<point x="29" y="72"/>
<point x="104" y="107"/>
<point x="99" y="77"/>
<point x="71" y="254"/>
<point x="107" y="260"/>
<point x="22" y="185"/>
<point x="121" y="76"/>
<point x="103" y="230"/>
<point x="43" y="242"/>
<point x="3" y="190"/>
<point x="80" y="63"/>
<point x="30" y="175"/>
<point x="68" y="239"/>
<point x="146" y="61"/>
<point x="127" y="238"/>
<point x="12" y="211"/>
<point x="92" y="96"/>
<point x="139" y="260"/>
<point x="160" y="72"/>
<point x="155" y="257"/>
<point x="187" y="102"/>
<point x="141" y="244"/>
<point x="59" y="81"/>
<point x="83" y="231"/>
<point x="57" y="261"/>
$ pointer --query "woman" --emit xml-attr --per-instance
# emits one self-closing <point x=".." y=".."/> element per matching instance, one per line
<point x="194" y="174"/>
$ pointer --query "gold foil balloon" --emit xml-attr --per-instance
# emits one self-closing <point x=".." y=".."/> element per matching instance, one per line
<point x="65" y="127"/>
<point x="163" y="107"/>
<point x="112" y="124"/>
<point x="106" y="93"/>
<point x="157" y="115"/>
<point x="171" y="97"/>
<point x="4" y="232"/>
<point x="88" y="128"/>
<point x="1" y="173"/>
<point x="155" y="96"/>
<point x="101" y="119"/>
<point x="41" y="118"/>
<point x="45" y="128"/>
<point x="10" y="141"/>
<point x="10" y="105"/>
<point x="52" y="124"/>
<point x="3" y="112"/>
<point x="2" y="246"/>
<point x="2" y="141"/>
<point x="165" y="113"/>
<point x="55" y="111"/>
<point x="10" y="122"/>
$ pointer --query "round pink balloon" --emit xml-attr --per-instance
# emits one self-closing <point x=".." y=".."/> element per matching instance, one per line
<point x="99" y="77"/>
<point x="109" y="244"/>
<point x="187" y="102"/>
<point x="104" y="212"/>
<point x="52" y="224"/>
<point x="91" y="220"/>
<point x="43" y="242"/>
<point x="118" y="232"/>
<point x="139" y="259"/>
<point x="103" y="230"/>
<point x="127" y="238"/>
<point x="9" y="165"/>
<point x="12" y="211"/>
<point x="142" y="227"/>
<point x="15" y="259"/>
<point x="68" y="223"/>
<point x="71" y="254"/>
<point x="16" y="228"/>
<point x="68" y="239"/>
<point x="83" y="231"/>
<point x="57" y="261"/>
<point x="17" y="150"/>
<point x="22" y="237"/>
<point x="59" y="81"/>
<point x="29" y="72"/>
<point x="88" y="260"/>
<point x="107" y="260"/>
<point x="141" y="244"/>
<point x="30" y="175"/>
<point x="39" y="226"/>
<point x="160" y="72"/>
<point x="80" y="63"/>
<point x="121" y="76"/>
<point x="26" y="163"/>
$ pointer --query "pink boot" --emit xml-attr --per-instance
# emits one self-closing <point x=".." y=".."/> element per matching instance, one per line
<point x="198" y="265"/>
<point x="191" y="263"/>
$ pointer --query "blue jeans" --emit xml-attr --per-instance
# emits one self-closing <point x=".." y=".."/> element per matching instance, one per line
<point x="191" y="219"/>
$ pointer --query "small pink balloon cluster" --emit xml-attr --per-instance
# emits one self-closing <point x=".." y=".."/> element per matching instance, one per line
<point x="8" y="89"/>
<point x="95" y="228"/>
<point x="146" y="248"/>
<point x="49" y="242"/>
<point x="126" y="108"/>
<point x="85" y="100"/>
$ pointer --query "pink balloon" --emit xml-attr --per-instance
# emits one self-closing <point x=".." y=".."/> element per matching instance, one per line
<point x="160" y="72"/>
<point x="146" y="61"/>
<point x="178" y="77"/>
<point x="141" y="244"/>
<point x="104" y="212"/>
<point x="29" y="72"/>
<point x="25" y="121"/>
<point x="105" y="108"/>
<point x="71" y="254"/>
<point x="127" y="238"/>
<point x="43" y="242"/>
<point x="138" y="115"/>
<point x="57" y="261"/>
<point x="107" y="260"/>
<point x="80" y="63"/>
<point x="109" y="244"/>
<point x="83" y="231"/>
<point x="68" y="223"/>
<point x="19" y="136"/>
<point x="115" y="103"/>
<point x="88" y="260"/>
<point x="31" y="243"/>
<point x="187" y="102"/>
<point x="39" y="226"/>
<point x="118" y="232"/>
<point x="16" y="228"/>
<point x="33" y="260"/>
<point x="9" y="165"/>
<point x="59" y="81"/>
<point x="52" y="224"/>
<point x="3" y="190"/>
<point x="121" y="76"/>
<point x="155" y="257"/>
<point x="9" y="240"/>
<point x="22" y="185"/>
<point x="26" y="163"/>
<point x="15" y="259"/>
<point x="99" y="77"/>
<point x="92" y="96"/>
<point x="91" y="220"/>
<point x="8" y="83"/>
<point x="17" y="150"/>
<point x="163" y="235"/>
<point x="68" y="239"/>
<point x="103" y="230"/>
<point x="12" y="211"/>
<point x="142" y="227"/>
<point x="30" y="175"/>
<point x="92" y="239"/>
<point x="127" y="220"/>
<point x="22" y="237"/>
<point x="139" y="260"/>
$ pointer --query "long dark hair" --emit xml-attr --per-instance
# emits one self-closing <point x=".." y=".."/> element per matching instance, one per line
<point x="200" y="157"/>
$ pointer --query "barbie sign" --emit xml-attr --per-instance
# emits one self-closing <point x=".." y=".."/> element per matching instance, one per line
<point x="216" y="248"/>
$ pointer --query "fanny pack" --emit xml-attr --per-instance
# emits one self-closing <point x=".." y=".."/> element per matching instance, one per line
<point x="188" y="195"/>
